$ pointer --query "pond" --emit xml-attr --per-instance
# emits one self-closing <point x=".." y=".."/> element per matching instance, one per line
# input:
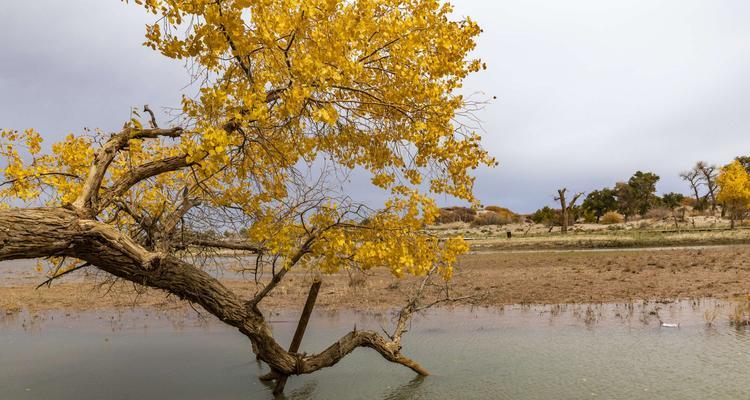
<point x="552" y="352"/>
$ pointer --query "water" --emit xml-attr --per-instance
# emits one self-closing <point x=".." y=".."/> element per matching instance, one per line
<point x="573" y="352"/>
<point x="27" y="272"/>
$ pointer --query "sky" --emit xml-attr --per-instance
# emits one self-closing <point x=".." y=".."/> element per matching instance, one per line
<point x="587" y="91"/>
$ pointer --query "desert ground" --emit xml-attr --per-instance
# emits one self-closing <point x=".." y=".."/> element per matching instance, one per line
<point x="486" y="278"/>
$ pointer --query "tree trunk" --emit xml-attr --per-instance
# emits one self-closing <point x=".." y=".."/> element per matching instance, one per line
<point x="56" y="232"/>
<point x="565" y="208"/>
<point x="563" y="211"/>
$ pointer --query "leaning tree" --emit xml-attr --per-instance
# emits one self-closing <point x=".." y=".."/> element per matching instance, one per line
<point x="293" y="94"/>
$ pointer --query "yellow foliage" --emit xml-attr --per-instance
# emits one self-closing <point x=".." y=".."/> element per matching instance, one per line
<point x="365" y="84"/>
<point x="734" y="187"/>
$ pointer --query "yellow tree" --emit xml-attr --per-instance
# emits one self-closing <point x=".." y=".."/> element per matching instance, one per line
<point x="734" y="190"/>
<point x="287" y="86"/>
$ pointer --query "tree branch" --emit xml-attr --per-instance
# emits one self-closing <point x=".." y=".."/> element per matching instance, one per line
<point x="87" y="199"/>
<point x="141" y="173"/>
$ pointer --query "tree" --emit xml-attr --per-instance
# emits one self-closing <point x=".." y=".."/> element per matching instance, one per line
<point x="745" y="161"/>
<point x="693" y="177"/>
<point x="708" y="173"/>
<point x="734" y="190"/>
<point x="361" y="84"/>
<point x="546" y="216"/>
<point x="599" y="202"/>
<point x="637" y="195"/>
<point x="565" y="208"/>
<point x="672" y="201"/>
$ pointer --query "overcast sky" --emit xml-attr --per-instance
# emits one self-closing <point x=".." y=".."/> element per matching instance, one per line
<point x="587" y="92"/>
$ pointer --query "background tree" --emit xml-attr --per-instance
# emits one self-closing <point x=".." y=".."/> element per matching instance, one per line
<point x="627" y="203"/>
<point x="637" y="195"/>
<point x="694" y="178"/>
<point x="565" y="208"/>
<point x="745" y="161"/>
<point x="673" y="201"/>
<point x="546" y="216"/>
<point x="734" y="190"/>
<point x="599" y="202"/>
<point x="360" y="84"/>
<point x="708" y="174"/>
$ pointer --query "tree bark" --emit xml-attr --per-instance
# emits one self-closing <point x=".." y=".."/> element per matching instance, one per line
<point x="565" y="208"/>
<point x="66" y="231"/>
<point x="563" y="211"/>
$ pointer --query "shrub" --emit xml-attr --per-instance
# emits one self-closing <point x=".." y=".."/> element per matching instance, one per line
<point x="504" y="212"/>
<point x="589" y="217"/>
<point x="658" y="213"/>
<point x="546" y="216"/>
<point x="491" y="218"/>
<point x="612" y="217"/>
<point x="456" y="214"/>
<point x="740" y="316"/>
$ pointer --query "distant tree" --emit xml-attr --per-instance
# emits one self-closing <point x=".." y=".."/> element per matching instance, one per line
<point x="546" y="216"/>
<point x="599" y="202"/>
<point x="626" y="202"/>
<point x="734" y="190"/>
<point x="693" y="177"/>
<point x="745" y="161"/>
<point x="565" y="208"/>
<point x="673" y="201"/>
<point x="637" y="195"/>
<point x="708" y="173"/>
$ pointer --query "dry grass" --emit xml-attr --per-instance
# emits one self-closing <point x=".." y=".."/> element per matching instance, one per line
<point x="740" y="315"/>
<point x="496" y="278"/>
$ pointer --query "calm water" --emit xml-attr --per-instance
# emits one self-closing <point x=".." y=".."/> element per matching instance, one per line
<point x="574" y="352"/>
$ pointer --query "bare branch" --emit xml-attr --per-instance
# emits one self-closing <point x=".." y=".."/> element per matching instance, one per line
<point x="48" y="282"/>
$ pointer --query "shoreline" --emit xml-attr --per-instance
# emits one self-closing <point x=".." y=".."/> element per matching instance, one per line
<point x="493" y="279"/>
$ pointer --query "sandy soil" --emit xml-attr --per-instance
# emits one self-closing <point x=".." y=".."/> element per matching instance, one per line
<point x="492" y="278"/>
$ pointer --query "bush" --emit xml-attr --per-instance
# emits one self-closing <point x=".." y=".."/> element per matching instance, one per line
<point x="658" y="213"/>
<point x="504" y="213"/>
<point x="546" y="216"/>
<point x="589" y="217"/>
<point x="456" y="214"/>
<point x="491" y="218"/>
<point x="612" y="217"/>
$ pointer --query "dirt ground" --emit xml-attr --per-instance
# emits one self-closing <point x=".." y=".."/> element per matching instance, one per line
<point x="493" y="279"/>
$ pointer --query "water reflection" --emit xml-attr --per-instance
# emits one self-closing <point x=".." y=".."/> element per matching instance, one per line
<point x="559" y="351"/>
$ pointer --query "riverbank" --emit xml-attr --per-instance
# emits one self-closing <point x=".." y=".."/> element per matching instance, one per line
<point x="491" y="278"/>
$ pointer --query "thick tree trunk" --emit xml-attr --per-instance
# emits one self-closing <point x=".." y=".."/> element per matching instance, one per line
<point x="47" y="232"/>
<point x="563" y="211"/>
<point x="565" y="208"/>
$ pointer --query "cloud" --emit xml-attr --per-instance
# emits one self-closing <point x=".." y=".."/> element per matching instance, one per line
<point x="587" y="91"/>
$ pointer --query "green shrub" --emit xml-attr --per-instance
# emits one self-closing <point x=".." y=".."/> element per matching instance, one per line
<point x="546" y="216"/>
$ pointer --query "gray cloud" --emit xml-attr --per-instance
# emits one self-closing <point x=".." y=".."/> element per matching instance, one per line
<point x="587" y="91"/>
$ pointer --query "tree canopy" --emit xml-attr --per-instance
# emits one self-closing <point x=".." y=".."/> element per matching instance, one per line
<point x="636" y="196"/>
<point x="286" y="84"/>
<point x="600" y="201"/>
<point x="734" y="189"/>
<point x="292" y="95"/>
